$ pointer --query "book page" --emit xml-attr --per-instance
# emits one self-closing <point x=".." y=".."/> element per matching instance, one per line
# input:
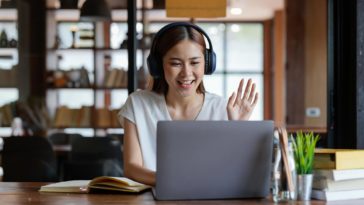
<point x="117" y="183"/>
<point x="73" y="186"/>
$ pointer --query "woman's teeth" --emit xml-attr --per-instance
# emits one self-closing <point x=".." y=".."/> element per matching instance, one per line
<point x="186" y="82"/>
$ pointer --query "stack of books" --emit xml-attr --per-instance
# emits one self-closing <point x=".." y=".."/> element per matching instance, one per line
<point x="338" y="174"/>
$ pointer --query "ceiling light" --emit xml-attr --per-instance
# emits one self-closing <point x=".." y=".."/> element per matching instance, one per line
<point x="236" y="11"/>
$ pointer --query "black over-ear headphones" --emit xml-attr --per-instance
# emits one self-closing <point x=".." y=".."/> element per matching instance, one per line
<point x="154" y="61"/>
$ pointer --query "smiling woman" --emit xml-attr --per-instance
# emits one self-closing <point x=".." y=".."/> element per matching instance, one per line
<point x="178" y="61"/>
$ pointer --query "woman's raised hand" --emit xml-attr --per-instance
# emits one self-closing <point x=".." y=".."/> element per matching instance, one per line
<point x="241" y="108"/>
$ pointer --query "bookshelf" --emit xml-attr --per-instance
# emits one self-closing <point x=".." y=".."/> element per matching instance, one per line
<point x="104" y="56"/>
<point x="86" y="73"/>
<point x="8" y="67"/>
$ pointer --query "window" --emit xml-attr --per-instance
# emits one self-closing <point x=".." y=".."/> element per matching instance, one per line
<point x="239" y="51"/>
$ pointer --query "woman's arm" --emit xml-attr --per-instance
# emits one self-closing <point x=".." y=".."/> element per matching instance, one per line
<point x="133" y="160"/>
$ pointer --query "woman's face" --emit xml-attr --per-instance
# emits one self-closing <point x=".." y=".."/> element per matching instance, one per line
<point x="184" y="66"/>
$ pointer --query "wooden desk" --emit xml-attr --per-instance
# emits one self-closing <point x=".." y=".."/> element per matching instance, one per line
<point x="13" y="193"/>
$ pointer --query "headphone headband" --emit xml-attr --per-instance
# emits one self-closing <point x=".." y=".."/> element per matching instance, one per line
<point x="176" y="24"/>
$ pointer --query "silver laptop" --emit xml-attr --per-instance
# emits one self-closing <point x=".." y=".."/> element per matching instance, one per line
<point x="213" y="159"/>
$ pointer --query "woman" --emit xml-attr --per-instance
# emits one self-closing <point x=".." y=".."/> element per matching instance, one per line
<point x="178" y="61"/>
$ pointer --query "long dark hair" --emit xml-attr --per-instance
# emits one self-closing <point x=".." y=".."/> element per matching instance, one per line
<point x="165" y="42"/>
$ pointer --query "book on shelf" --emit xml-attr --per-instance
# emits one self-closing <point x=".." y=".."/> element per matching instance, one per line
<point x="338" y="175"/>
<point x="72" y="117"/>
<point x="124" y="81"/>
<point x="337" y="195"/>
<point x="121" y="184"/>
<point x="114" y="118"/>
<point x="119" y="78"/>
<point x="116" y="78"/>
<point x="331" y="185"/>
<point x="84" y="79"/>
<point x="339" y="159"/>
<point x="85" y="116"/>
<point x="68" y="117"/>
<point x="63" y="117"/>
<point x="111" y="78"/>
<point x="58" y="117"/>
<point x="7" y="115"/>
<point x="106" y="77"/>
<point x="103" y="117"/>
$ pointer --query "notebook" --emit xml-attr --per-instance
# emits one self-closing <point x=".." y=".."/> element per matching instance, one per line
<point x="213" y="159"/>
<point x="120" y="184"/>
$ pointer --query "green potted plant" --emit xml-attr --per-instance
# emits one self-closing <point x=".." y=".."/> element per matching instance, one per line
<point x="304" y="145"/>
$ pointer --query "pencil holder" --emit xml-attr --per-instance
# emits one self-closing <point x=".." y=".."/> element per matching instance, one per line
<point x="284" y="172"/>
<point x="304" y="186"/>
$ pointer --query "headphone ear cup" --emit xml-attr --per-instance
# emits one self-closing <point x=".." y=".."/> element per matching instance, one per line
<point x="153" y="66"/>
<point x="207" y="62"/>
<point x="210" y="64"/>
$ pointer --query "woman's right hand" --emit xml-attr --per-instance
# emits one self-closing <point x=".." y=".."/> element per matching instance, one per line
<point x="241" y="108"/>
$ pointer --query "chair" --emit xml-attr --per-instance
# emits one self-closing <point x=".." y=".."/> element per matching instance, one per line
<point x="61" y="138"/>
<point x="119" y="137"/>
<point x="28" y="159"/>
<point x="94" y="156"/>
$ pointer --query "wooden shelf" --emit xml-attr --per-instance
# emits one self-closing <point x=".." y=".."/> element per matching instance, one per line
<point x="87" y="127"/>
<point x="7" y="87"/>
<point x="7" y="21"/>
<point x="111" y="88"/>
<point x="92" y="49"/>
<point x="295" y="128"/>
<point x="8" y="49"/>
<point x="71" y="88"/>
<point x="114" y="9"/>
<point x="6" y="57"/>
<point x="111" y="49"/>
<point x="59" y="9"/>
<point x="88" y="88"/>
<point x="72" y="49"/>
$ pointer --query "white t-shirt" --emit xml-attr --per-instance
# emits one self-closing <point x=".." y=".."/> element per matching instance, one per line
<point x="146" y="108"/>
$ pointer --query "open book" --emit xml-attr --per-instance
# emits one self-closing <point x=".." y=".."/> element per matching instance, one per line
<point x="103" y="183"/>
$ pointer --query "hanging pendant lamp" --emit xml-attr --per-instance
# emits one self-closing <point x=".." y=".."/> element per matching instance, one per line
<point x="95" y="10"/>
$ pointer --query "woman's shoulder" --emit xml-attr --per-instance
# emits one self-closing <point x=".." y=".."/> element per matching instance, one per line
<point x="144" y="95"/>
